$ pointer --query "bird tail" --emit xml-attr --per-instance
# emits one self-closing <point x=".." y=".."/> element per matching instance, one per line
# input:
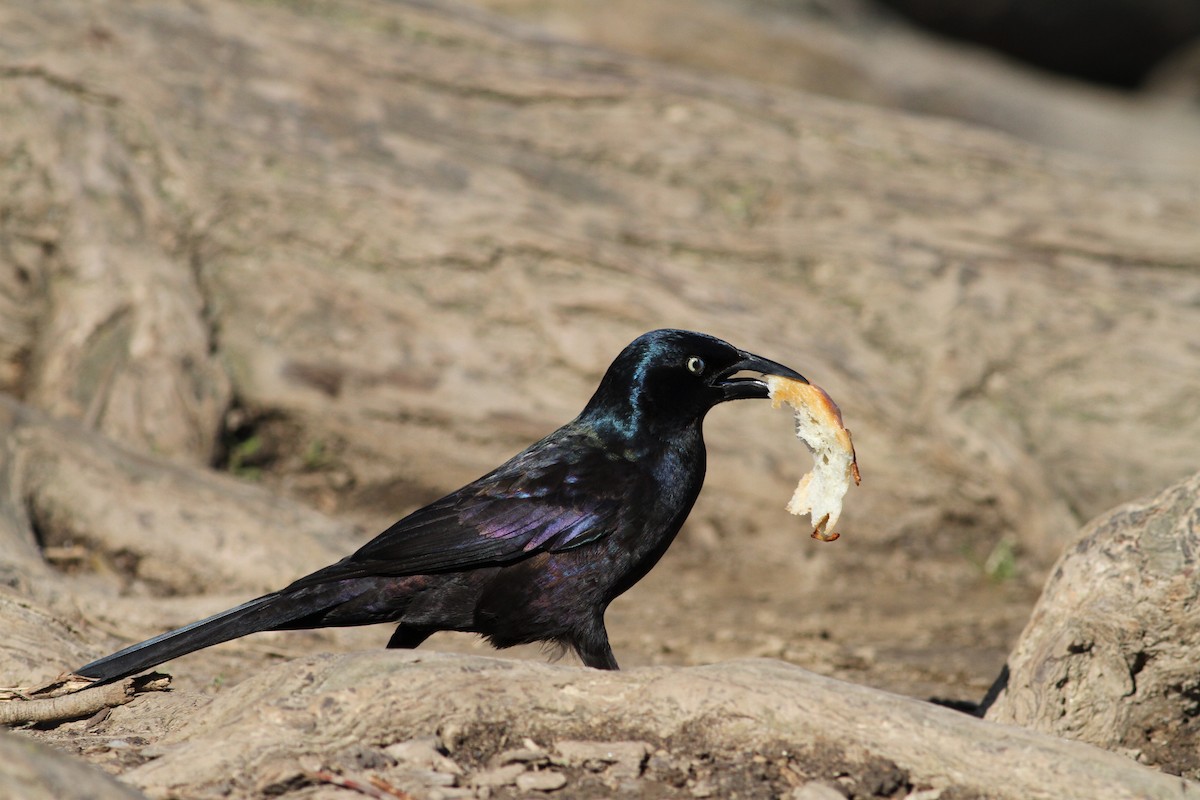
<point x="261" y="614"/>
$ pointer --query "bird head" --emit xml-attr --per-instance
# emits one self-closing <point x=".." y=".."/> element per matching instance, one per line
<point x="674" y="377"/>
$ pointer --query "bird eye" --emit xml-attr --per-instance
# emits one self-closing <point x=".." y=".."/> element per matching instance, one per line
<point x="695" y="365"/>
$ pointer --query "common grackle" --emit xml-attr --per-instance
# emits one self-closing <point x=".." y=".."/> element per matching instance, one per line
<point x="536" y="549"/>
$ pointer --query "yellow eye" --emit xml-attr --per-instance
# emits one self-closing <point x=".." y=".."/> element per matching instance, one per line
<point x="695" y="365"/>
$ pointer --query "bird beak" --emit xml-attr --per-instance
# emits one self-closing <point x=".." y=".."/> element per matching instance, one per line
<point x="747" y="388"/>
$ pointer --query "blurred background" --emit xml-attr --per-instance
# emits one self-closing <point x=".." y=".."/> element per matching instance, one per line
<point x="1117" y="79"/>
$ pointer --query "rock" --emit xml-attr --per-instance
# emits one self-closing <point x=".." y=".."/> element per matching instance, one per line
<point x="924" y="794"/>
<point x="619" y="760"/>
<point x="30" y="770"/>
<point x="1109" y="654"/>
<point x="423" y="753"/>
<point x="529" y="754"/>
<point x="541" y="781"/>
<point x="425" y="777"/>
<point x="497" y="776"/>
<point x="818" y="791"/>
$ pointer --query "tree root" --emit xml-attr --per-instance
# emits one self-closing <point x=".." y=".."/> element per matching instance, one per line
<point x="66" y="700"/>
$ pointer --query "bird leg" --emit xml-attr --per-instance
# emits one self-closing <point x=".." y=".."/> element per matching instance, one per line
<point x="593" y="648"/>
<point x="407" y="637"/>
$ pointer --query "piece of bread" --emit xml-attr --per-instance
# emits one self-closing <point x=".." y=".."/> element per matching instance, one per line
<point x="819" y="425"/>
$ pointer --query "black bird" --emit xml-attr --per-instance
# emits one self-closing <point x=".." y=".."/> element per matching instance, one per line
<point x="536" y="549"/>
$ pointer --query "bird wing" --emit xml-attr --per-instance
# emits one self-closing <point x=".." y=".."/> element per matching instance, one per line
<point x="547" y="499"/>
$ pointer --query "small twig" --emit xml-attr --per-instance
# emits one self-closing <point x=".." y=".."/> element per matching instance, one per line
<point x="383" y="786"/>
<point x="66" y="683"/>
<point x="79" y="702"/>
<point x="378" y="788"/>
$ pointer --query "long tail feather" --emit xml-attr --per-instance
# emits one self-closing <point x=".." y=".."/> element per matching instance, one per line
<point x="261" y="614"/>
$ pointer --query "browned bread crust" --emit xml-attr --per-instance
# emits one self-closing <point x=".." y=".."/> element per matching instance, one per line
<point x="819" y="425"/>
